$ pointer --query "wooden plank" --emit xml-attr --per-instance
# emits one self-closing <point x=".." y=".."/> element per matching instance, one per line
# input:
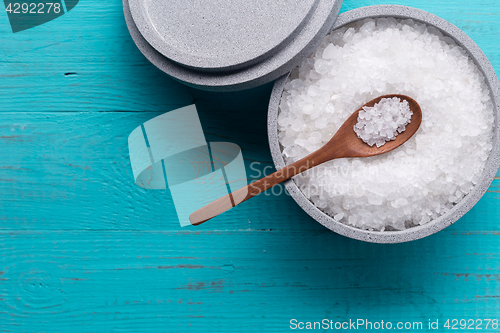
<point x="108" y="73"/>
<point x="72" y="171"/>
<point x="238" y="280"/>
<point x="82" y="61"/>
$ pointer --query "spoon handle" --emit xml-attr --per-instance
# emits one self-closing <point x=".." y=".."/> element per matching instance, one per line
<point x="227" y="202"/>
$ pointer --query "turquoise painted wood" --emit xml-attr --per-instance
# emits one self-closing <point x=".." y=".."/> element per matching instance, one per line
<point x="84" y="250"/>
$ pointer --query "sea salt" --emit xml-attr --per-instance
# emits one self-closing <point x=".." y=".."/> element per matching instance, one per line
<point x="383" y="122"/>
<point x="424" y="178"/>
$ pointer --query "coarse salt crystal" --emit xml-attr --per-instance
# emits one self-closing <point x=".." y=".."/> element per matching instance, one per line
<point x="383" y="122"/>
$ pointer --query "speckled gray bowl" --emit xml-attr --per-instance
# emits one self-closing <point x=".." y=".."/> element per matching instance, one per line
<point x="282" y="60"/>
<point x="220" y="35"/>
<point x="463" y="206"/>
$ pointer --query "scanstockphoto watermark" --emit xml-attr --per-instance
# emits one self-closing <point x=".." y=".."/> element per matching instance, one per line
<point x="361" y="324"/>
<point x="372" y="325"/>
<point x="341" y="172"/>
<point x="27" y="14"/>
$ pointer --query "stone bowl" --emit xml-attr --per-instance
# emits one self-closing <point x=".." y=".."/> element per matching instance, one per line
<point x="492" y="164"/>
<point x="222" y="77"/>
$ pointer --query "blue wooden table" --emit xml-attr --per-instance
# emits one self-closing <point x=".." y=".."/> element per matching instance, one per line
<point x="85" y="250"/>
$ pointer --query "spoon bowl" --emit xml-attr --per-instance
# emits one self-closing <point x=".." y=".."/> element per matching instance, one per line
<point x="344" y="144"/>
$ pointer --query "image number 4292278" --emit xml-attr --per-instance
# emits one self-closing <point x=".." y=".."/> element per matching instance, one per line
<point x="26" y="14"/>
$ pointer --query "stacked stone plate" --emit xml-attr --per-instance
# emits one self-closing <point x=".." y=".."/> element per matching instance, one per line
<point x="227" y="45"/>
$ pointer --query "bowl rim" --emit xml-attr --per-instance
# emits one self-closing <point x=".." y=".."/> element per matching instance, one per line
<point x="492" y="164"/>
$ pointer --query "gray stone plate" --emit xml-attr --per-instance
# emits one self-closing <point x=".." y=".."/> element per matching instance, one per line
<point x="470" y="199"/>
<point x="220" y="35"/>
<point x="284" y="60"/>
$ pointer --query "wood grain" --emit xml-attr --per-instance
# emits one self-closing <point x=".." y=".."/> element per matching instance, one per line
<point x="244" y="280"/>
<point x="85" y="250"/>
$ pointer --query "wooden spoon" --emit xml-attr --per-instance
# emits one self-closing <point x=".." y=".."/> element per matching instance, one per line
<point x="344" y="144"/>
